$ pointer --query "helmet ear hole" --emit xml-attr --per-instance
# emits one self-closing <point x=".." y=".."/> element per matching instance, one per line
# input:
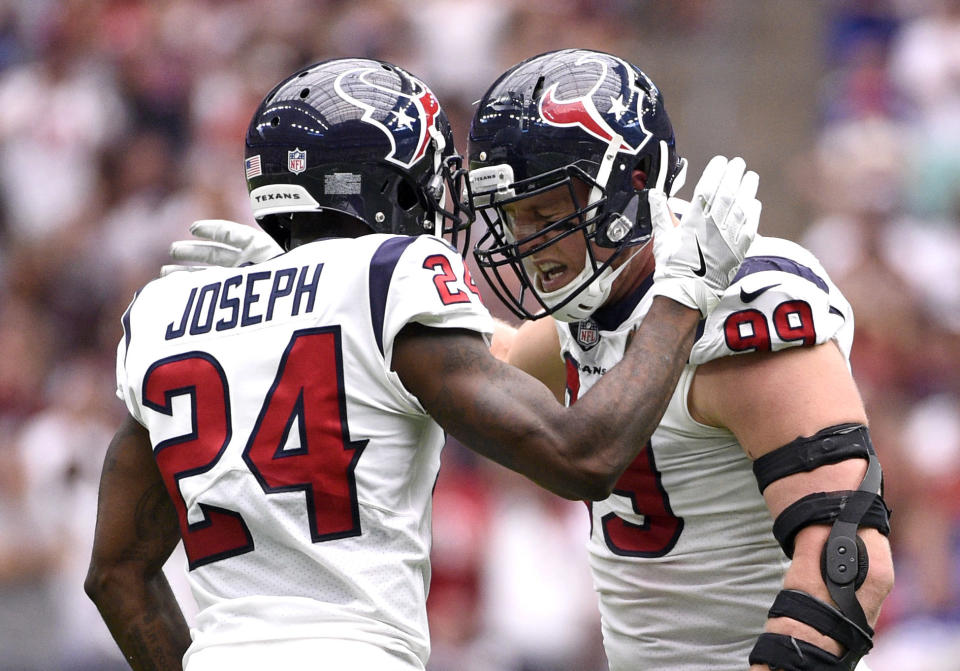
<point x="406" y="195"/>
<point x="645" y="165"/>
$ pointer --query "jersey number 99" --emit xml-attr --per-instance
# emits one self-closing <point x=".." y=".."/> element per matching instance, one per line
<point x="748" y="331"/>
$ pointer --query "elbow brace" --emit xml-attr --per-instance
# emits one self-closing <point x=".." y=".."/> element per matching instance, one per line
<point x="844" y="562"/>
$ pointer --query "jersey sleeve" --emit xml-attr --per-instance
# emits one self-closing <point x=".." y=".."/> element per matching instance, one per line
<point x="780" y="297"/>
<point x="124" y="390"/>
<point x="431" y="285"/>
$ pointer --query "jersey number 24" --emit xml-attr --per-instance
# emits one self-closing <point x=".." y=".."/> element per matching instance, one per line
<point x="310" y="376"/>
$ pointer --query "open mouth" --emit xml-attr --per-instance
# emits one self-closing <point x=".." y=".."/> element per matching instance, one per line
<point x="550" y="275"/>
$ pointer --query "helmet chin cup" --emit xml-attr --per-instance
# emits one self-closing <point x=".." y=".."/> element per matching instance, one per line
<point x="576" y="301"/>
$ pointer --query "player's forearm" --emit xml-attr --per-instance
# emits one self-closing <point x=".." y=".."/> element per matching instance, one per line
<point x="500" y="412"/>
<point x="581" y="452"/>
<point x="805" y="575"/>
<point x="145" y="621"/>
<point x="655" y="357"/>
<point x="620" y="413"/>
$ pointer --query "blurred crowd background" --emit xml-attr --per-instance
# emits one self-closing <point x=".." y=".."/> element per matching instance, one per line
<point x="121" y="121"/>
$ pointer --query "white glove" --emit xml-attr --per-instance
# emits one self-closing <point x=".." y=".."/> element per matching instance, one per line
<point x="221" y="243"/>
<point x="697" y="259"/>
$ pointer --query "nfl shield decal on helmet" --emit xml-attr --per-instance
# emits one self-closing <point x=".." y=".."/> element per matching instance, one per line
<point x="588" y="334"/>
<point x="297" y="161"/>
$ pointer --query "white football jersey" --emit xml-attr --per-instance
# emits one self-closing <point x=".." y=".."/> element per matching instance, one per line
<point x="682" y="553"/>
<point x="301" y="468"/>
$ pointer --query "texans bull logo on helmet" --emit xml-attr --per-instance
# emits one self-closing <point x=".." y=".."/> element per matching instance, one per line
<point x="585" y="111"/>
<point x="407" y="124"/>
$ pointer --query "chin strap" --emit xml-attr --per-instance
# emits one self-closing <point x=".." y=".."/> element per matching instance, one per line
<point x="679" y="179"/>
<point x="591" y="297"/>
<point x="436" y="187"/>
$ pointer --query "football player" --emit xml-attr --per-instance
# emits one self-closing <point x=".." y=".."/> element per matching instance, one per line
<point x="285" y="418"/>
<point x="763" y="454"/>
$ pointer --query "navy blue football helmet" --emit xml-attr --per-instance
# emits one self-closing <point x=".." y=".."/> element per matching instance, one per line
<point x="562" y="116"/>
<point x="360" y="137"/>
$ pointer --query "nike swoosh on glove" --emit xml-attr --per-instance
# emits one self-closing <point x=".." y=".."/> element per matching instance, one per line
<point x="221" y="243"/>
<point x="697" y="259"/>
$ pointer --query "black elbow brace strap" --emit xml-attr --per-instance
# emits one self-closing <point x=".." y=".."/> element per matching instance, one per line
<point x="828" y="446"/>
<point x="844" y="561"/>
<point x="825" y="508"/>
<point x="786" y="653"/>
<point x="780" y="651"/>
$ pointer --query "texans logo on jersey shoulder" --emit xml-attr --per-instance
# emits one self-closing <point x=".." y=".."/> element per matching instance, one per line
<point x="406" y="124"/>
<point x="595" y="112"/>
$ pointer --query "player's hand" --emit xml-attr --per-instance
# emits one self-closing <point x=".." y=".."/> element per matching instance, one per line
<point x="697" y="259"/>
<point x="221" y="243"/>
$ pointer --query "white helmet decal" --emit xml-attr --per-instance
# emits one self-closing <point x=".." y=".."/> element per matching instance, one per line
<point x="584" y="112"/>
<point x="407" y="124"/>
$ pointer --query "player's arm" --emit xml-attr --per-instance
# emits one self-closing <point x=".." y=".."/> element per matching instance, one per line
<point x="769" y="400"/>
<point x="535" y="349"/>
<point x="581" y="451"/>
<point x="502" y="339"/>
<point x="136" y="532"/>
<point x="513" y="419"/>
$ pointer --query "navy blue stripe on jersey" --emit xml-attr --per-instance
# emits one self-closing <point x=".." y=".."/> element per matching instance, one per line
<point x="381" y="272"/>
<point x="125" y="321"/>
<point x="610" y="317"/>
<point x="700" y="328"/>
<point x="759" y="264"/>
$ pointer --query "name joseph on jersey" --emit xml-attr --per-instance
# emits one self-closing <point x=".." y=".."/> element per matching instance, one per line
<point x="246" y="299"/>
